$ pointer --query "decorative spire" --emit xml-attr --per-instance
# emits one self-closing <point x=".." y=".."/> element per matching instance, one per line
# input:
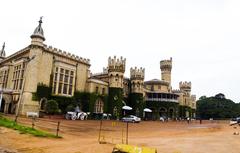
<point x="2" y="52"/>
<point x="38" y="32"/>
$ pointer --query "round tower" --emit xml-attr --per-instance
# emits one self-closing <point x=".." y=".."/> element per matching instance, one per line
<point x="116" y="69"/>
<point x="137" y="78"/>
<point x="185" y="86"/>
<point x="38" y="35"/>
<point x="166" y="68"/>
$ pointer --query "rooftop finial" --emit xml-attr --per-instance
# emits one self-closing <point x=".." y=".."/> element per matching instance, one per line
<point x="38" y="32"/>
<point x="40" y="21"/>
<point x="2" y="53"/>
<point x="3" y="47"/>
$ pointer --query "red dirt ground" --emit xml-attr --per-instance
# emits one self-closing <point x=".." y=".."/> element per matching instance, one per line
<point x="170" y="137"/>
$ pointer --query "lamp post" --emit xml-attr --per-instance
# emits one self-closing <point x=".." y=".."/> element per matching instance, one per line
<point x="23" y="86"/>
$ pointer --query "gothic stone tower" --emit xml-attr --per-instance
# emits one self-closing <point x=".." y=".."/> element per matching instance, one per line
<point x="32" y="70"/>
<point x="186" y="99"/>
<point x="136" y="95"/>
<point x="185" y="87"/>
<point x="116" y="69"/>
<point x="166" y="68"/>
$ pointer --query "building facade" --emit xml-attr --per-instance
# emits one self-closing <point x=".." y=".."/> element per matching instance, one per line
<point x="65" y="73"/>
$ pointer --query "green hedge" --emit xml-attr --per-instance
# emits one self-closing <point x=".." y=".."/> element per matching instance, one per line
<point x="43" y="91"/>
<point x="115" y="99"/>
<point x="183" y="110"/>
<point x="136" y="102"/>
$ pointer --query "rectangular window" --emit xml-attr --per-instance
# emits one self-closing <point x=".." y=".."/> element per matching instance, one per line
<point x="65" y="82"/>
<point x="55" y="77"/>
<point x="103" y="91"/>
<point x="18" y="76"/>
<point x="70" y="90"/>
<point x="65" y="89"/>
<point x="20" y="85"/>
<point x="96" y="90"/>
<point x="60" y="88"/>
<point x="66" y="72"/>
<point x="54" y="87"/>
<point x="61" y="77"/>
<point x="71" y="80"/>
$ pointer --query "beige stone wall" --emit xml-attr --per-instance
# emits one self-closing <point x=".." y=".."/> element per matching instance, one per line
<point x="46" y="68"/>
<point x="115" y="79"/>
<point x="82" y="76"/>
<point x="158" y="87"/>
<point x="137" y="86"/>
<point x="101" y="87"/>
<point x="166" y="76"/>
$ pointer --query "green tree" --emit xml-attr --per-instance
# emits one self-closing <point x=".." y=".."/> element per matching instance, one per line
<point x="215" y="107"/>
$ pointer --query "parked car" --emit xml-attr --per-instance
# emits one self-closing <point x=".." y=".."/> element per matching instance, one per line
<point x="131" y="118"/>
<point x="234" y="121"/>
<point x="163" y="118"/>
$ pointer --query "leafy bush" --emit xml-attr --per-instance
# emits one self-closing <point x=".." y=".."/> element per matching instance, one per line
<point x="52" y="107"/>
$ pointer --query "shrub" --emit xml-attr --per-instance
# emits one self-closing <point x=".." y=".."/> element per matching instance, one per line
<point x="52" y="107"/>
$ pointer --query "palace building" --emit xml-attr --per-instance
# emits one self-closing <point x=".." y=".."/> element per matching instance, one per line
<point x="65" y="74"/>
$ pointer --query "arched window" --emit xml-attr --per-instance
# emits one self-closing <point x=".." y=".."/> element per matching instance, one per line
<point x="43" y="103"/>
<point x="98" y="106"/>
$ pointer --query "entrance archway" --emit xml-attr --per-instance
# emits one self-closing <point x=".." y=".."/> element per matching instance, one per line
<point x="43" y="103"/>
<point x="163" y="112"/>
<point x="171" y="113"/>
<point x="2" y="105"/>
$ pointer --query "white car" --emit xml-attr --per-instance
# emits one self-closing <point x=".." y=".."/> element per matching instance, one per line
<point x="131" y="118"/>
<point x="235" y="121"/>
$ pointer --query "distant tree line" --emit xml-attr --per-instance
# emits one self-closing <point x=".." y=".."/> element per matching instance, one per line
<point x="217" y="107"/>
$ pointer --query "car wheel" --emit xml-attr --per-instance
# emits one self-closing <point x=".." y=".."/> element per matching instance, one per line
<point x="133" y="121"/>
<point x="74" y="117"/>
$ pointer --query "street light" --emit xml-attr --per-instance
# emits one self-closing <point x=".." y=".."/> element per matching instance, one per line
<point x="23" y="86"/>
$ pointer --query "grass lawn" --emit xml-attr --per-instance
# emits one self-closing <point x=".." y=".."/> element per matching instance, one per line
<point x="24" y="129"/>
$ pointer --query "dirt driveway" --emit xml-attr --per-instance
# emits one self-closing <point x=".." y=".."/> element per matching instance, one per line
<point x="82" y="137"/>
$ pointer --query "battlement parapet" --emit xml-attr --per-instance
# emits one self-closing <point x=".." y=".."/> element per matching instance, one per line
<point x="136" y="73"/>
<point x="116" y="64"/>
<point x="176" y="91"/>
<point x="185" y="85"/>
<point x="166" y="64"/>
<point x="67" y="54"/>
<point x="193" y="97"/>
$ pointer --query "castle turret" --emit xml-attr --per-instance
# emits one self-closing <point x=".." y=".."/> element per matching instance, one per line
<point x="2" y="52"/>
<point x="166" y="68"/>
<point x="137" y="77"/>
<point x="38" y="35"/>
<point x="136" y="95"/>
<point x="116" y="69"/>
<point x="185" y="86"/>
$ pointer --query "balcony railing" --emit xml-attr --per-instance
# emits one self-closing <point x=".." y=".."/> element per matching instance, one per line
<point x="162" y="99"/>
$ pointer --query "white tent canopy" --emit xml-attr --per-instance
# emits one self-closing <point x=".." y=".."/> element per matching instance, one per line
<point x="147" y="110"/>
<point x="127" y="108"/>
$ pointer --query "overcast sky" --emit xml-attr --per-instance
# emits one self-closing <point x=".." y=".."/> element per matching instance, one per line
<point x="202" y="36"/>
